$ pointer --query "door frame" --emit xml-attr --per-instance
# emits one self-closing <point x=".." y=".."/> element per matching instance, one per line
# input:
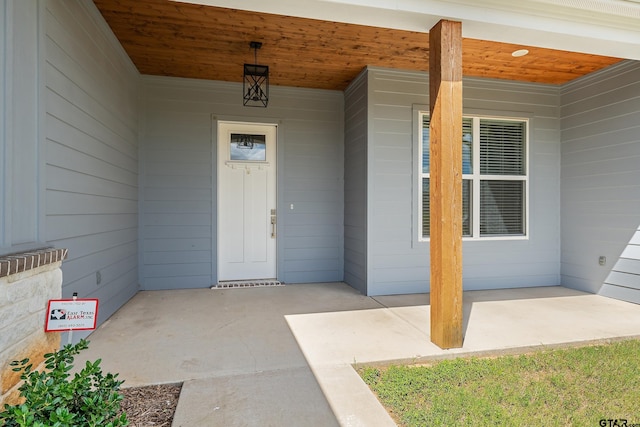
<point x="268" y="121"/>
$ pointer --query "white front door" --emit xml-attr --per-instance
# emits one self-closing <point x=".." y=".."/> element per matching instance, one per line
<point x="246" y="201"/>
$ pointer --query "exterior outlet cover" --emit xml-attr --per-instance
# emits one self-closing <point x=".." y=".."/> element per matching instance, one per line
<point x="98" y="277"/>
<point x="602" y="260"/>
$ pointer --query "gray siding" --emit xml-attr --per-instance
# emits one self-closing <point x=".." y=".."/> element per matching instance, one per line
<point x="601" y="181"/>
<point x="355" y="184"/>
<point x="623" y="282"/>
<point x="20" y="116"/>
<point x="178" y="206"/>
<point x="398" y="262"/>
<point x="91" y="124"/>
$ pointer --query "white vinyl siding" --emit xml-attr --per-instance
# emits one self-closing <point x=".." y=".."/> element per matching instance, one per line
<point x="397" y="259"/>
<point x="355" y="184"/>
<point x="21" y="223"/>
<point x="179" y="180"/>
<point x="91" y="147"/>
<point x="601" y="182"/>
<point x="494" y="167"/>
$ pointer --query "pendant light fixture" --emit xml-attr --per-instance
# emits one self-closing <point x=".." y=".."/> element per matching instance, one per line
<point x="255" y="86"/>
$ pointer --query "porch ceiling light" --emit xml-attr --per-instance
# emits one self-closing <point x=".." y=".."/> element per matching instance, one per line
<point x="519" y="53"/>
<point x="255" y="86"/>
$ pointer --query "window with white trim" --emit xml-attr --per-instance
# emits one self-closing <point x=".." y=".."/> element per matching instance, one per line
<point x="494" y="177"/>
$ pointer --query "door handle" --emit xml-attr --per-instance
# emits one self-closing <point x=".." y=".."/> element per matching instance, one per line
<point x="273" y="223"/>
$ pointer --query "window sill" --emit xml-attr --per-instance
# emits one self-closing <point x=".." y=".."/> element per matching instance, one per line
<point x="483" y="239"/>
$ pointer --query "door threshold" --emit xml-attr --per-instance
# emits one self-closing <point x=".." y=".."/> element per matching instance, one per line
<point x="230" y="284"/>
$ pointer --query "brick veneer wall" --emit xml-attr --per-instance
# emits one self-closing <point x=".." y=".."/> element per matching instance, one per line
<point x="27" y="282"/>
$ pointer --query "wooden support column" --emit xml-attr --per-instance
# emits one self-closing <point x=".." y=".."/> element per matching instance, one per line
<point x="445" y="184"/>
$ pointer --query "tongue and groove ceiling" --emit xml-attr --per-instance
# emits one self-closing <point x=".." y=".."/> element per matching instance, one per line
<point x="167" y="38"/>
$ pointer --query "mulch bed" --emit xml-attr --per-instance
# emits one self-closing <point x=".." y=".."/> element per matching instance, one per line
<point x="150" y="405"/>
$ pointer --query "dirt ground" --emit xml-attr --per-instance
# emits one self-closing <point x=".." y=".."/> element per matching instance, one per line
<point x="151" y="406"/>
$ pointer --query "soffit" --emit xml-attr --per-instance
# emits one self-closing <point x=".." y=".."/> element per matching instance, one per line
<point x="177" y="39"/>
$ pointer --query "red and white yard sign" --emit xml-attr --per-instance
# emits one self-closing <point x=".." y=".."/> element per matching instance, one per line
<point x="71" y="315"/>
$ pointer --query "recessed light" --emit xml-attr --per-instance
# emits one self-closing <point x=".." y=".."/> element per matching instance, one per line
<point x="519" y="53"/>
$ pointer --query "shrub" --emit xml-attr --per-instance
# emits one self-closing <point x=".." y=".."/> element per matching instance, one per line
<point x="52" y="399"/>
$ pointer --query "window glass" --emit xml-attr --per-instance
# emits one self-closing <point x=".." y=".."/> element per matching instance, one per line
<point x="467" y="146"/>
<point x="502" y="147"/>
<point x="498" y="175"/>
<point x="247" y="148"/>
<point x="501" y="208"/>
<point x="466" y="207"/>
<point x="425" y="144"/>
<point x="426" y="225"/>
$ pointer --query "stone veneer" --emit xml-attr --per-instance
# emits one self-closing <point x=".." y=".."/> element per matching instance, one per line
<point x="27" y="282"/>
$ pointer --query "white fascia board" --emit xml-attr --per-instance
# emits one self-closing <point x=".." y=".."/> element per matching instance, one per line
<point x="601" y="27"/>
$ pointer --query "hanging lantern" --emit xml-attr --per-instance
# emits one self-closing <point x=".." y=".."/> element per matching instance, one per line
<point x="255" y="86"/>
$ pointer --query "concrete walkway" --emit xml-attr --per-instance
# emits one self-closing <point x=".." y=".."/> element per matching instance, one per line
<point x="283" y="356"/>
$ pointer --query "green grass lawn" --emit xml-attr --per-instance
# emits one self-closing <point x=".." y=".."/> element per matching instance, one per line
<point x="569" y="387"/>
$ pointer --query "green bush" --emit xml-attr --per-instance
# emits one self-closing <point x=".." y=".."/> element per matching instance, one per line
<point x="52" y="399"/>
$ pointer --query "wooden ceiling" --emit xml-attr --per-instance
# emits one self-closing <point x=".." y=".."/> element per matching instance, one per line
<point x="167" y="38"/>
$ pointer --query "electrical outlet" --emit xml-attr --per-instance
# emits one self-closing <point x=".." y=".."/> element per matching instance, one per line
<point x="98" y="277"/>
<point x="602" y="260"/>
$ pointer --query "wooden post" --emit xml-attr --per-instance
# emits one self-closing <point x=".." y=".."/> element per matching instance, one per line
<point x="445" y="184"/>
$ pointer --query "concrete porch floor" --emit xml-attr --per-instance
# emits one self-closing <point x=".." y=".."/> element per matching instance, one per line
<point x="282" y="356"/>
